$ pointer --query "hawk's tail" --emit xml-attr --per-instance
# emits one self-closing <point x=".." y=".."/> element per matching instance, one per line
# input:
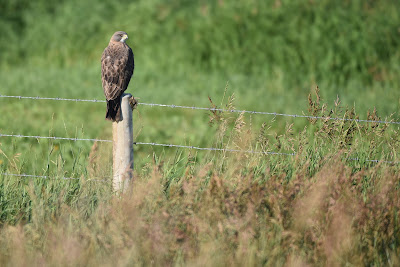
<point x="114" y="110"/>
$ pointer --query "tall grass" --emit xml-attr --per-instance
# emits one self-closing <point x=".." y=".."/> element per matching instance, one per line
<point x="318" y="207"/>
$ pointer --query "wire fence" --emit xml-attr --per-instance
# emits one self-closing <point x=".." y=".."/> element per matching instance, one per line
<point x="108" y="180"/>
<point x="209" y="109"/>
<point x="374" y="160"/>
<point x="149" y="144"/>
<point x="54" y="137"/>
<point x="23" y="175"/>
<point x="174" y="145"/>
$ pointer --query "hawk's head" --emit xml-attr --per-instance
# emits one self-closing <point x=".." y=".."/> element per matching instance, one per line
<point x="119" y="36"/>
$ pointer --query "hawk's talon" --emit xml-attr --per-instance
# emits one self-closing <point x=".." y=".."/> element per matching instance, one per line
<point x="133" y="102"/>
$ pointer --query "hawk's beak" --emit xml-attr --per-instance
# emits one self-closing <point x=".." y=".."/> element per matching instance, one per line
<point x="123" y="38"/>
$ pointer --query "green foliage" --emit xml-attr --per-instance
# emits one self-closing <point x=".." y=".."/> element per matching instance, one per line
<point x="334" y="41"/>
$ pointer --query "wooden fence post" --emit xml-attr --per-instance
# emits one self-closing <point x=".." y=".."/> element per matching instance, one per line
<point x="123" y="147"/>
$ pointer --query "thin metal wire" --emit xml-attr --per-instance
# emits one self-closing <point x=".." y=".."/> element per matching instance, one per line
<point x="218" y="149"/>
<point x="180" y="146"/>
<point x="375" y="160"/>
<point x="143" y="143"/>
<point x="208" y="109"/>
<point x="53" y="137"/>
<point x="269" y="113"/>
<point x="103" y="180"/>
<point x="52" y="98"/>
<point x="48" y="177"/>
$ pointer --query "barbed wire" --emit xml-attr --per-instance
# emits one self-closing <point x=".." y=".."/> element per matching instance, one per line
<point x="209" y="109"/>
<point x="48" y="177"/>
<point x="183" y="146"/>
<point x="218" y="149"/>
<point x="270" y="113"/>
<point x="104" y="180"/>
<point x="173" y="145"/>
<point x="54" y="137"/>
<point x="151" y="144"/>
<point x="374" y="160"/>
<point x="52" y="98"/>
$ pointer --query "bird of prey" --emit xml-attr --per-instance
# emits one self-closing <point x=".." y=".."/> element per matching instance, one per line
<point x="117" y="66"/>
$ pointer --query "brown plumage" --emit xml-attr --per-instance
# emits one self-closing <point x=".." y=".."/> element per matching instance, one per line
<point x="117" y="66"/>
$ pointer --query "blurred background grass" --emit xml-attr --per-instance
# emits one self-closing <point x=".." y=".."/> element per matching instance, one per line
<point x="270" y="53"/>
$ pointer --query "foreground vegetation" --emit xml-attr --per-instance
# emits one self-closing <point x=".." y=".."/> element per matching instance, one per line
<point x="335" y="202"/>
<point x="249" y="217"/>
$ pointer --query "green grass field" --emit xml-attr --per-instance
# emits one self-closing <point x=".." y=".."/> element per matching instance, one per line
<point x="188" y="207"/>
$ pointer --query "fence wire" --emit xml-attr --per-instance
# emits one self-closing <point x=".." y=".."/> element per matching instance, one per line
<point x="218" y="149"/>
<point x="52" y="98"/>
<point x="48" y="177"/>
<point x="375" y="160"/>
<point x="54" y="137"/>
<point x="179" y="146"/>
<point x="184" y="146"/>
<point x="150" y="144"/>
<point x="109" y="180"/>
<point x="209" y="109"/>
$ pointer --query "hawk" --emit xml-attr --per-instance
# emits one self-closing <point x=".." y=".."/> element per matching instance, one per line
<point x="117" y="66"/>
